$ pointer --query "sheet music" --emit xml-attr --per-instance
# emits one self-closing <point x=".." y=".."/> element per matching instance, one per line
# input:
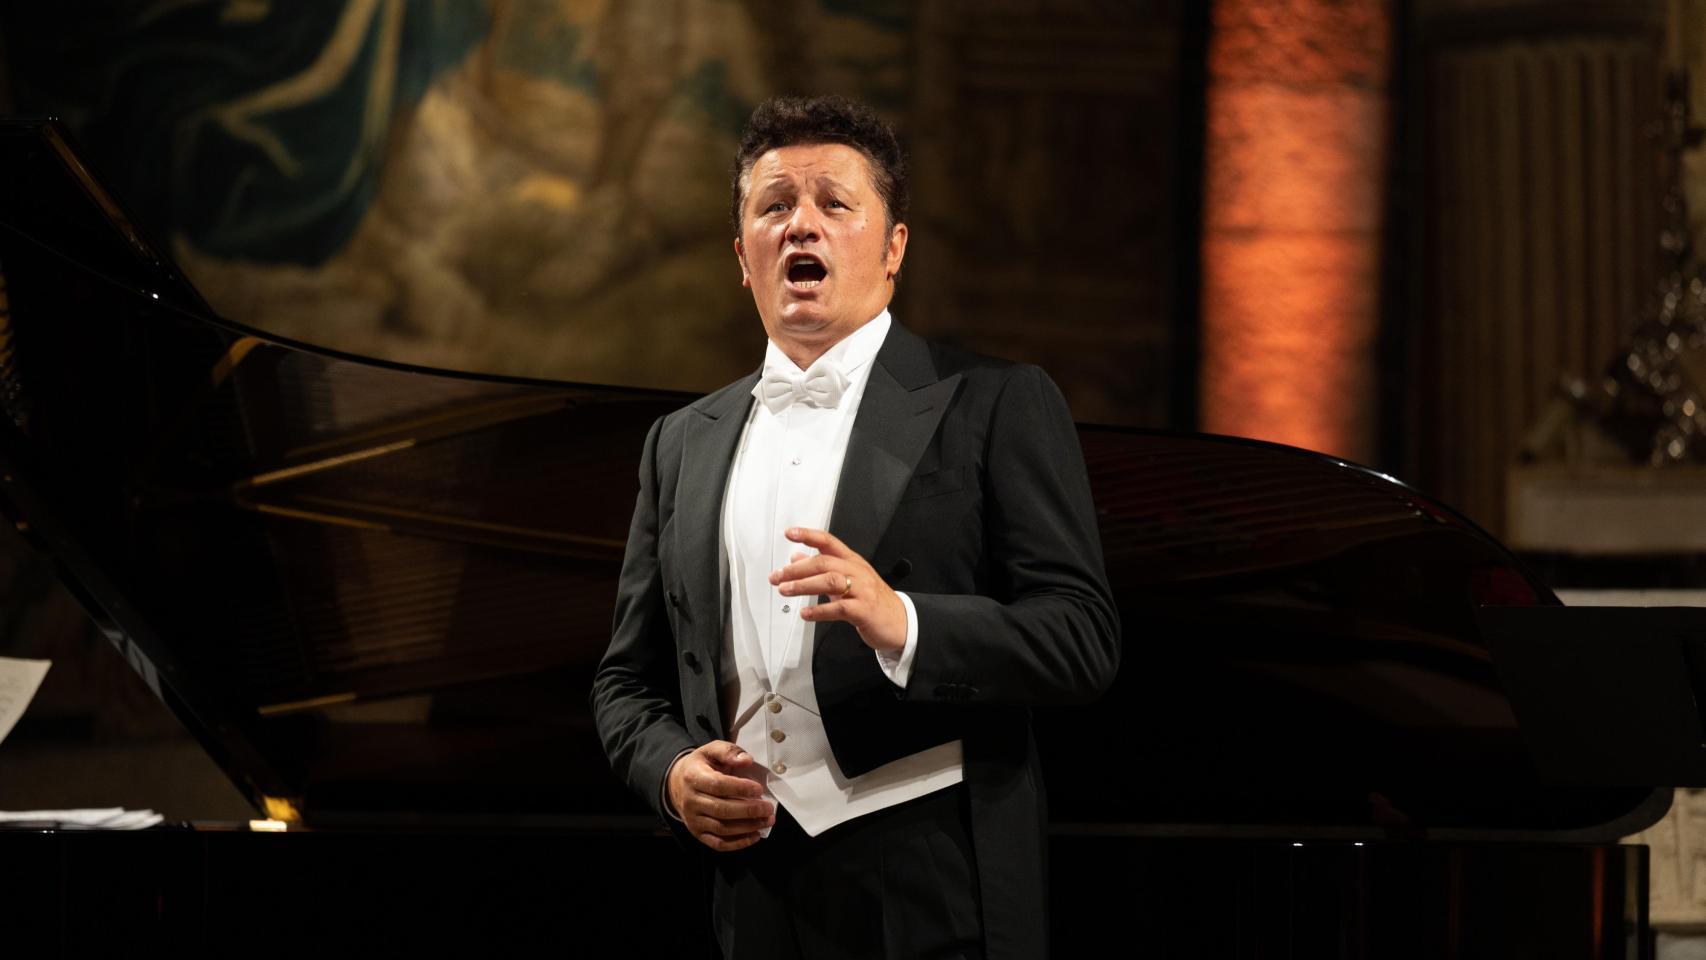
<point x="100" y="818"/>
<point x="18" y="682"/>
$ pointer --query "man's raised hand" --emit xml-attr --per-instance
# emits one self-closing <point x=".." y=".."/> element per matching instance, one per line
<point x="856" y="593"/>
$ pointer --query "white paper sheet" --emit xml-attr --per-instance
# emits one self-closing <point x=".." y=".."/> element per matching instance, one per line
<point x="99" y="818"/>
<point x="18" y="682"/>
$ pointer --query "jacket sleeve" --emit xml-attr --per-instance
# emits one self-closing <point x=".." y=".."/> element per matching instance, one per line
<point x="1044" y="629"/>
<point x="636" y="692"/>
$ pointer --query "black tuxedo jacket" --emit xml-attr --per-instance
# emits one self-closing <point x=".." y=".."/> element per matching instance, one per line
<point x="964" y="486"/>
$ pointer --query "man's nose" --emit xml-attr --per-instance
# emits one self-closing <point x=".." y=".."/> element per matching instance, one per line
<point x="803" y="225"/>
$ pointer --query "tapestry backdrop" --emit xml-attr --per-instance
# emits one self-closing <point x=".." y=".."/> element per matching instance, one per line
<point x="540" y="187"/>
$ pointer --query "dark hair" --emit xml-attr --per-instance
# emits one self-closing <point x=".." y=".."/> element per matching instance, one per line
<point x="789" y="121"/>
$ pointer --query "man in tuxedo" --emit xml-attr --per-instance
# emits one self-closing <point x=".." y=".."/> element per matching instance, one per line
<point x="847" y="578"/>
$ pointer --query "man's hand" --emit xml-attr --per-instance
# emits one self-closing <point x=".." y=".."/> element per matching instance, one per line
<point x="724" y="811"/>
<point x="856" y="594"/>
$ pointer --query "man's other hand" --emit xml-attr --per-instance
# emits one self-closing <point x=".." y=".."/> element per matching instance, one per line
<point x="723" y="810"/>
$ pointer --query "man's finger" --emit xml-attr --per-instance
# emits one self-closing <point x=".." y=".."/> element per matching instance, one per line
<point x="833" y="610"/>
<point x="725" y="754"/>
<point x="822" y="540"/>
<point x="810" y="566"/>
<point x="728" y="844"/>
<point x="824" y="584"/>
<point x="713" y="783"/>
<point x="728" y="828"/>
<point x="716" y="808"/>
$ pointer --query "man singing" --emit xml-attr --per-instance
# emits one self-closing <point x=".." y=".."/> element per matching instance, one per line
<point x="847" y="577"/>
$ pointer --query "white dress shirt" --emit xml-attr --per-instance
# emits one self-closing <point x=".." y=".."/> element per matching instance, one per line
<point x="785" y="472"/>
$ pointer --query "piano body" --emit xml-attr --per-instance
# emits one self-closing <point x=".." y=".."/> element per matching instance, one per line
<point x="377" y="594"/>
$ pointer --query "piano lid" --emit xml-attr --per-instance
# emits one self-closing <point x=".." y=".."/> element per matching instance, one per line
<point x="377" y="593"/>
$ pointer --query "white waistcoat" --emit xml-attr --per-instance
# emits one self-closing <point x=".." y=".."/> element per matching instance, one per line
<point x="784" y="474"/>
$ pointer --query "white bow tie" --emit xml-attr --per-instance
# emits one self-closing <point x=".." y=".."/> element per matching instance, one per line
<point x="820" y="386"/>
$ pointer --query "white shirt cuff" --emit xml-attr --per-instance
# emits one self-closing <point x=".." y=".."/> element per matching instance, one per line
<point x="898" y="666"/>
<point x="663" y="788"/>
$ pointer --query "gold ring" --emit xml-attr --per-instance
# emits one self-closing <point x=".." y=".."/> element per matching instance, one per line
<point x="847" y="590"/>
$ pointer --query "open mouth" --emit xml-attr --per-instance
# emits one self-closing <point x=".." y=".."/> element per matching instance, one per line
<point x="806" y="271"/>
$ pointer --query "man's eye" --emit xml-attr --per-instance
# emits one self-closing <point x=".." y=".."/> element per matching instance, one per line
<point x="774" y="207"/>
<point x="837" y="203"/>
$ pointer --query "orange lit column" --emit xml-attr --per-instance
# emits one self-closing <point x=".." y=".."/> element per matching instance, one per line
<point x="1293" y="205"/>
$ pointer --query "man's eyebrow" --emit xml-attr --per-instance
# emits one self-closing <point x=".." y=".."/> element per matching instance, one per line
<point x="828" y="181"/>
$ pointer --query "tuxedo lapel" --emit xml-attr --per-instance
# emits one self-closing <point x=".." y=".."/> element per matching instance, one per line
<point x="708" y="450"/>
<point x="902" y="406"/>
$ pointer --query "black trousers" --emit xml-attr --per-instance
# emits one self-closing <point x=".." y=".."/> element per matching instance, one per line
<point x="898" y="883"/>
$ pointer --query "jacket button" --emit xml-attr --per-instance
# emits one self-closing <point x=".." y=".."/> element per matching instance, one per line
<point x="702" y="721"/>
<point x="670" y="596"/>
<point x="692" y="660"/>
<point x="902" y="567"/>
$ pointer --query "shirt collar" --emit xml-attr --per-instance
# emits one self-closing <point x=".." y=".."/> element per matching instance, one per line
<point x="849" y="355"/>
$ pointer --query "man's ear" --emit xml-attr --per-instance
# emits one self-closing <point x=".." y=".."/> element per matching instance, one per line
<point x="895" y="252"/>
<point x="740" y="254"/>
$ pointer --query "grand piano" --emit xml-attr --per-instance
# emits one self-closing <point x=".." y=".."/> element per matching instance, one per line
<point x="377" y="594"/>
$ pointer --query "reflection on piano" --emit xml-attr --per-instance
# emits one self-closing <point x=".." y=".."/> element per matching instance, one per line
<point x="377" y="595"/>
